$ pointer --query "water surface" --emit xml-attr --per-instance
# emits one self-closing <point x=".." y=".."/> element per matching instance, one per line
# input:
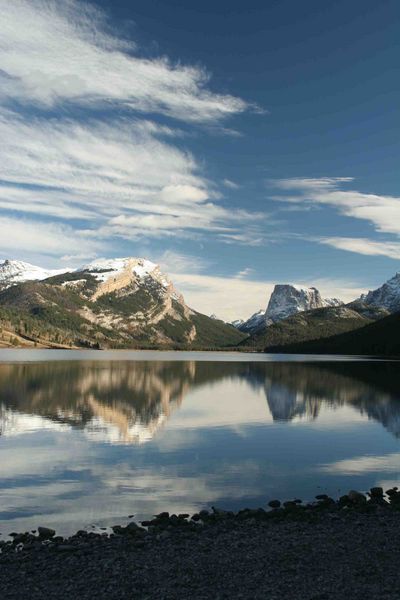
<point x="92" y="437"/>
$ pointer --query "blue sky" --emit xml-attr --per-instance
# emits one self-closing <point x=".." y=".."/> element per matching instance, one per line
<point x="238" y="145"/>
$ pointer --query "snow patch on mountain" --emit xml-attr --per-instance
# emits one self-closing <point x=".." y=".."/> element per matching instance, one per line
<point x="103" y="269"/>
<point x="17" y="271"/>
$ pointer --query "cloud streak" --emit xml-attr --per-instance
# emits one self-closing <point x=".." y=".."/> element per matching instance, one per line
<point x="61" y="52"/>
<point x="382" y="212"/>
<point x="125" y="176"/>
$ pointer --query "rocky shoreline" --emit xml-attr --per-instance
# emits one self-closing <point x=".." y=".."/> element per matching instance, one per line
<point x="324" y="550"/>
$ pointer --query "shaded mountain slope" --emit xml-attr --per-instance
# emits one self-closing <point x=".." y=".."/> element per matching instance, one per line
<point x="380" y="338"/>
<point x="310" y="325"/>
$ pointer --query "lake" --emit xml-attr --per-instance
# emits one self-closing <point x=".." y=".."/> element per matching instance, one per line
<point x="88" y="438"/>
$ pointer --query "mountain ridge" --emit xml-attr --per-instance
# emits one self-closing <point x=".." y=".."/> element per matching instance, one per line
<point x="124" y="302"/>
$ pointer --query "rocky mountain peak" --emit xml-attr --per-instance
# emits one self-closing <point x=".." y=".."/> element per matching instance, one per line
<point x="387" y="296"/>
<point x="287" y="300"/>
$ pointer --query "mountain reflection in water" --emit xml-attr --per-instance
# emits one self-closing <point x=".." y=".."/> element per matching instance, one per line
<point x="85" y="441"/>
<point x="127" y="402"/>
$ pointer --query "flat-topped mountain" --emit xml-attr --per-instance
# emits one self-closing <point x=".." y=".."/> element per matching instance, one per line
<point x="286" y="300"/>
<point x="124" y="302"/>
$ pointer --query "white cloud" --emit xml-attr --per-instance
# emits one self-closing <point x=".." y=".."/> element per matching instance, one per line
<point x="231" y="184"/>
<point x="307" y="184"/>
<point x="364" y="246"/>
<point x="244" y="272"/>
<point x="171" y="261"/>
<point x="123" y="177"/>
<point x="54" y="52"/>
<point x="229" y="298"/>
<point x="382" y="211"/>
<point x="25" y="236"/>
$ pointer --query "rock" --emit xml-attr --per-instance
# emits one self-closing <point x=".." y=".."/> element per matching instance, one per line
<point x="290" y="504"/>
<point x="66" y="548"/>
<point x="19" y="539"/>
<point x="356" y="497"/>
<point x="196" y="517"/>
<point x="274" y="503"/>
<point x="162" y="515"/>
<point x="322" y="497"/>
<point x="45" y="533"/>
<point x="376" y="492"/>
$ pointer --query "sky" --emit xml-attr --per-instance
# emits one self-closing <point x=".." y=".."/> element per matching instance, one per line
<point x="237" y="144"/>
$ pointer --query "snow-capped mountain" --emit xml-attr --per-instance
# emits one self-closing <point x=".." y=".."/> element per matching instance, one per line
<point x="117" y="273"/>
<point x="254" y="323"/>
<point x="287" y="300"/>
<point x="121" y="302"/>
<point x="17" y="271"/>
<point x="387" y="296"/>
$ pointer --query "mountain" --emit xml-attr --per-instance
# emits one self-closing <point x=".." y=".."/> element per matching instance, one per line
<point x="237" y="323"/>
<point x="312" y="325"/>
<point x="253" y="324"/>
<point x="387" y="296"/>
<point x="17" y="271"/>
<point x="124" y="302"/>
<point x="380" y="338"/>
<point x="285" y="300"/>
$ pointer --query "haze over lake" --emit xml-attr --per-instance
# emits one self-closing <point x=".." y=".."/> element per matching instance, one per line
<point x="90" y="438"/>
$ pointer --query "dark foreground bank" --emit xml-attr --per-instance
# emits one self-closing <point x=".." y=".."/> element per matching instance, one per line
<point x="324" y="551"/>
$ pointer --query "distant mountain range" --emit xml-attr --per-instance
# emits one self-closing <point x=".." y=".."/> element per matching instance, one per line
<point x="300" y="320"/>
<point x="129" y="303"/>
<point x="126" y="302"/>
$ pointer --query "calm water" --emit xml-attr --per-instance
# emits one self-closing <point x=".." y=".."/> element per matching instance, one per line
<point x="92" y="437"/>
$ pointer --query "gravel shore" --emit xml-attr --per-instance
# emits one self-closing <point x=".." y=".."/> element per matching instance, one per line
<point x="326" y="550"/>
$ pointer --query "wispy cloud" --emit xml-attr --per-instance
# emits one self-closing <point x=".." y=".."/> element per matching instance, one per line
<point x="49" y="239"/>
<point x="126" y="176"/>
<point x="171" y="261"/>
<point x="364" y="246"/>
<point x="244" y="273"/>
<point x="62" y="52"/>
<point x="231" y="184"/>
<point x="382" y="211"/>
